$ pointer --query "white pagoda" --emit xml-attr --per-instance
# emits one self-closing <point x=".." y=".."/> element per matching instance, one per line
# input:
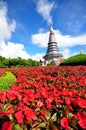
<point x="53" y="54"/>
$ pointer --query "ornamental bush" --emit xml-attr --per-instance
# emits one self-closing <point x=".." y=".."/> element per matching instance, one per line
<point x="75" y="60"/>
<point x="7" y="81"/>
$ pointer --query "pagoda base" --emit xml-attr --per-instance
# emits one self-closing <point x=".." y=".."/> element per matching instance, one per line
<point x="52" y="59"/>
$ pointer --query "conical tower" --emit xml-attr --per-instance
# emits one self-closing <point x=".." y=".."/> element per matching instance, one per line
<point x="53" y="53"/>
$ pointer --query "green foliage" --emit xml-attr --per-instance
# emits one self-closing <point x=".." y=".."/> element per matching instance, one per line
<point x="79" y="59"/>
<point x="7" y="81"/>
<point x="16" y="62"/>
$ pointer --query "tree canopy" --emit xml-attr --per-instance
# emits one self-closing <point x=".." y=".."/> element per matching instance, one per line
<point x="16" y="62"/>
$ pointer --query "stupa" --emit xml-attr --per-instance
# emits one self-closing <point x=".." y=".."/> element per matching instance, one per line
<point x="53" y="55"/>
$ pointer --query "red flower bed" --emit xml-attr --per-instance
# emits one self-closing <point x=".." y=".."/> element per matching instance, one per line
<point x="50" y="98"/>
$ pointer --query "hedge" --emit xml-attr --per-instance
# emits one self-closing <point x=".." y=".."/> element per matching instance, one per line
<point x="79" y="59"/>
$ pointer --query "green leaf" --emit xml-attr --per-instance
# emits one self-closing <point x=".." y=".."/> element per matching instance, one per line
<point x="5" y="108"/>
<point x="54" y="117"/>
<point x="16" y="127"/>
<point x="48" y="115"/>
<point x="42" y="125"/>
<point x="11" y="118"/>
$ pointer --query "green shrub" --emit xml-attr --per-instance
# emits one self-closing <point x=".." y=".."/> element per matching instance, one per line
<point x="7" y="81"/>
<point x="16" y="62"/>
<point x="79" y="59"/>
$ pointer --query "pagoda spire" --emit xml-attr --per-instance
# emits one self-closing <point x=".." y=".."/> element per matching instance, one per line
<point x="51" y="35"/>
<point x="51" y="29"/>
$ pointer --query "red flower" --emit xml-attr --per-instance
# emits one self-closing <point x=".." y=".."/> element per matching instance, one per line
<point x="11" y="95"/>
<point x="83" y="81"/>
<point x="82" y="103"/>
<point x="29" y="113"/>
<point x="82" y="123"/>
<point x="2" y="97"/>
<point x="64" y="84"/>
<point x="82" y="119"/>
<point x="19" y="117"/>
<point x="64" y="122"/>
<point x="44" y="93"/>
<point x="72" y="92"/>
<point x="39" y="104"/>
<point x="31" y="97"/>
<point x="26" y="100"/>
<point x="21" y="106"/>
<point x="7" y="125"/>
<point x="67" y="100"/>
<point x="48" y="102"/>
<point x="65" y="92"/>
<point x="75" y="101"/>
<point x="72" y="78"/>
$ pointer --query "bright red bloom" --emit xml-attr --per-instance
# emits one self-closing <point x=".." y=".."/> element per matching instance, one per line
<point x="26" y="100"/>
<point x="64" y="122"/>
<point x="21" y="106"/>
<point x="44" y="93"/>
<point x="64" y="84"/>
<point x="65" y="92"/>
<point x="29" y="113"/>
<point x="19" y="117"/>
<point x="67" y="100"/>
<point x="82" y="119"/>
<point x="83" y="81"/>
<point x="74" y="101"/>
<point x="2" y="97"/>
<point x="31" y="97"/>
<point x="7" y="125"/>
<point x="72" y="78"/>
<point x="82" y="103"/>
<point x="48" y="102"/>
<point x="11" y="95"/>
<point x="72" y="92"/>
<point x="82" y="123"/>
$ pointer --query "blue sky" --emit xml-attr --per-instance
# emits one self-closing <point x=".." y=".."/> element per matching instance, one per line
<point x="25" y="24"/>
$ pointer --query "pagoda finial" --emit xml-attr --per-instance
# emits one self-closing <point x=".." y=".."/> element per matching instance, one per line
<point x="51" y="29"/>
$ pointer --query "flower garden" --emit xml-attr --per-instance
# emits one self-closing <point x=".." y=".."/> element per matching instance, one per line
<point x="45" y="98"/>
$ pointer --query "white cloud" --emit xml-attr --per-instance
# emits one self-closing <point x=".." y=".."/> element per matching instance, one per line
<point x="44" y="7"/>
<point x="9" y="49"/>
<point x="6" y="28"/>
<point x="13" y="50"/>
<point x="66" y="52"/>
<point x="38" y="56"/>
<point x="41" y="39"/>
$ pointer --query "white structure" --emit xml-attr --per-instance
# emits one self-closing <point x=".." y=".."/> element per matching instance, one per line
<point x="53" y="54"/>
